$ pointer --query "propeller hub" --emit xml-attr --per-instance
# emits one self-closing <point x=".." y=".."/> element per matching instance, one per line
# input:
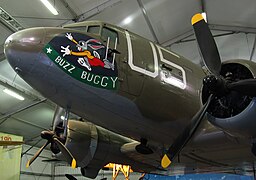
<point x="215" y="85"/>
<point x="47" y="135"/>
<point x="54" y="148"/>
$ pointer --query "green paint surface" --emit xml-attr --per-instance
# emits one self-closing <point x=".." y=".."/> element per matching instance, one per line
<point x="86" y="77"/>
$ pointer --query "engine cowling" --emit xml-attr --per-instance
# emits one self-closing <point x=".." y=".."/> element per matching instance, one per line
<point x="234" y="113"/>
<point x="93" y="147"/>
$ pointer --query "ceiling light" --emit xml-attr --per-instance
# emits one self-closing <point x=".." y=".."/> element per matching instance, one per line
<point x="127" y="20"/>
<point x="50" y="7"/>
<point x="13" y="94"/>
<point x="204" y="16"/>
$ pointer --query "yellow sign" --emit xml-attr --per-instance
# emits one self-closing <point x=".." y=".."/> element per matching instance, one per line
<point x="10" y="156"/>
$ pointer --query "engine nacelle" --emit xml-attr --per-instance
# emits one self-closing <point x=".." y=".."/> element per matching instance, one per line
<point x="243" y="124"/>
<point x="93" y="147"/>
<point x="235" y="113"/>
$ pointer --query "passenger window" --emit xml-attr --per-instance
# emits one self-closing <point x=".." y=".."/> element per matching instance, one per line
<point x="108" y="33"/>
<point x="94" y="29"/>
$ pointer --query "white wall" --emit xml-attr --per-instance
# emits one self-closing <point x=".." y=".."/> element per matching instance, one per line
<point x="38" y="170"/>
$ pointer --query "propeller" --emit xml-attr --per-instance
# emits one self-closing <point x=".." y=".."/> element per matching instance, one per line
<point x="66" y="153"/>
<point x="55" y="138"/>
<point x="207" y="45"/>
<point x="212" y="61"/>
<point x="246" y="86"/>
<point x="217" y="86"/>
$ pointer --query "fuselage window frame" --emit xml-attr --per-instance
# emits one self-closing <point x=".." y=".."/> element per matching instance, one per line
<point x="113" y="39"/>
<point x="97" y="31"/>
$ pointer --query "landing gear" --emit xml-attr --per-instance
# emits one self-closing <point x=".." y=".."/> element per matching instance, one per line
<point x="125" y="169"/>
<point x="142" y="148"/>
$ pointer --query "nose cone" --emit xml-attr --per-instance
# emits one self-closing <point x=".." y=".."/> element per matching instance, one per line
<point x="23" y="48"/>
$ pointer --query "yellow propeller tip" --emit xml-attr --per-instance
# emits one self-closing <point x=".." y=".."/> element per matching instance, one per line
<point x="28" y="163"/>
<point x="196" y="18"/>
<point x="165" y="161"/>
<point x="73" y="164"/>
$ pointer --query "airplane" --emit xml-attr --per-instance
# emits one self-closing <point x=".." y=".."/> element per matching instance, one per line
<point x="144" y="106"/>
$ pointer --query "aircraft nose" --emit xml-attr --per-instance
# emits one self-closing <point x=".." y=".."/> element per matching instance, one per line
<point x="22" y="48"/>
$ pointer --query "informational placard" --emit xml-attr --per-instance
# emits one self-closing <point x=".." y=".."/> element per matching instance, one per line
<point x="10" y="157"/>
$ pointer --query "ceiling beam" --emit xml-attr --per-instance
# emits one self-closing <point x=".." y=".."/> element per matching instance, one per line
<point x="96" y="10"/>
<point x="71" y="11"/>
<point x="2" y="55"/>
<point x="236" y="29"/>
<point x="178" y="38"/>
<point x="13" y="86"/>
<point x="30" y="123"/>
<point x="35" y="97"/>
<point x="6" y="116"/>
<point x="10" y="22"/>
<point x="216" y="35"/>
<point x="229" y="29"/>
<point x="144" y="12"/>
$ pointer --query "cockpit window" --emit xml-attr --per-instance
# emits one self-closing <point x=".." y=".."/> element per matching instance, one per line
<point x="93" y="29"/>
<point x="109" y="33"/>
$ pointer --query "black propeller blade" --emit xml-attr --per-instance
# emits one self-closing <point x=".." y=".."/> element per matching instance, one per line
<point x="246" y="87"/>
<point x="212" y="61"/>
<point x="70" y="177"/>
<point x="206" y="44"/>
<point x="186" y="135"/>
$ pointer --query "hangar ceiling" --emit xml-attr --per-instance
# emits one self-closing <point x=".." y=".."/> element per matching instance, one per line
<point x="166" y="22"/>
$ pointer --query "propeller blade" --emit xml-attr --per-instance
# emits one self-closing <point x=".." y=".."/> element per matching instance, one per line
<point x="70" y="177"/>
<point x="207" y="45"/>
<point x="66" y="153"/>
<point x="246" y="87"/>
<point x="186" y="135"/>
<point x="37" y="154"/>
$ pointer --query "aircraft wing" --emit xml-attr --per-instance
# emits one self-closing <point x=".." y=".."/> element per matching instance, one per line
<point x="210" y="151"/>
